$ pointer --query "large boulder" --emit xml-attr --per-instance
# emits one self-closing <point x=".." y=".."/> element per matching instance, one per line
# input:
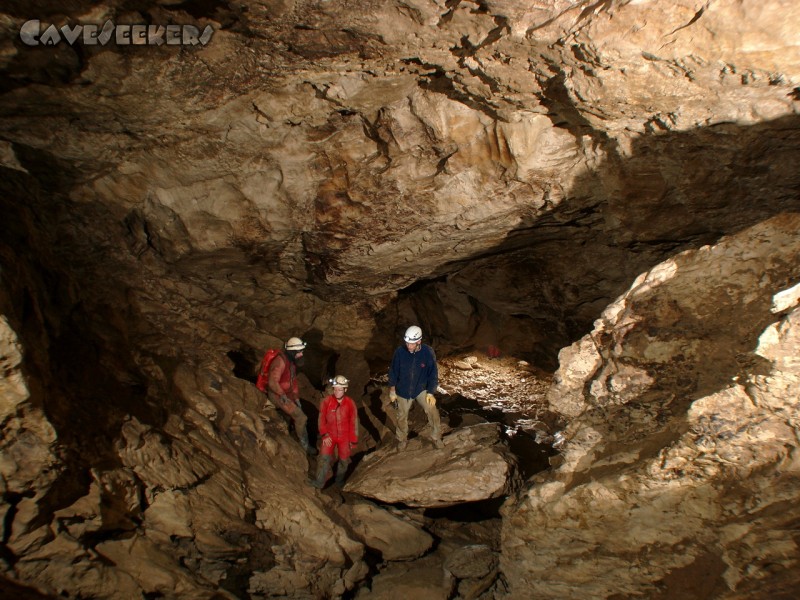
<point x="394" y="536"/>
<point x="475" y="464"/>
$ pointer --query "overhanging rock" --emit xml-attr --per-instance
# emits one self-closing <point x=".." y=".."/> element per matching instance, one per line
<point x="474" y="465"/>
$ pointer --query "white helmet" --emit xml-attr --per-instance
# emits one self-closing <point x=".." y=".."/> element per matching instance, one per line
<point x="413" y="334"/>
<point x="295" y="343"/>
<point x="339" y="381"/>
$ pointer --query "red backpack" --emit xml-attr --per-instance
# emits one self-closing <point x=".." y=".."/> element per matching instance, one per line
<point x="263" y="374"/>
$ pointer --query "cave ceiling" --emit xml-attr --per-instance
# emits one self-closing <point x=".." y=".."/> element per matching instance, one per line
<point x="315" y="159"/>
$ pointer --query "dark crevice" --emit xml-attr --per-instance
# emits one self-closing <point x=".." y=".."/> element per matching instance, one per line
<point x="556" y="97"/>
<point x="596" y="7"/>
<point x="532" y="456"/>
<point x="693" y="20"/>
<point x="12" y="499"/>
<point x="468" y="512"/>
<point x="440" y="82"/>
<point x="371" y="131"/>
<point x="245" y="364"/>
<point x="258" y="558"/>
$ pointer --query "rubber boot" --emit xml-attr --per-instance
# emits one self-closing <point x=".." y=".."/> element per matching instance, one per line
<point x="323" y="466"/>
<point x="341" y="471"/>
<point x="303" y="437"/>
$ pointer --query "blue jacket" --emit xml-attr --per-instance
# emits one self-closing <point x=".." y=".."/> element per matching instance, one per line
<point x="410" y="374"/>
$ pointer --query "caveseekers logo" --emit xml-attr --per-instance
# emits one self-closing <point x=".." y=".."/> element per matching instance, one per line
<point x="35" y="33"/>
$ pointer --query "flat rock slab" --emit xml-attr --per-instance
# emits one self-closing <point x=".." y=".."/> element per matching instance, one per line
<point x="475" y="464"/>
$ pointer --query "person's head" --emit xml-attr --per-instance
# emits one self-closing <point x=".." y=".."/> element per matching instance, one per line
<point x="413" y="338"/>
<point x="339" y="384"/>
<point x="294" y="350"/>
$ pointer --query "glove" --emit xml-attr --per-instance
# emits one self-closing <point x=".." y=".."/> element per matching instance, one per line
<point x="431" y="399"/>
<point x="392" y="396"/>
<point x="327" y="442"/>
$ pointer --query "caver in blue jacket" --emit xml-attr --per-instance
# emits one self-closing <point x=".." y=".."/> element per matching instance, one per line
<point x="411" y="373"/>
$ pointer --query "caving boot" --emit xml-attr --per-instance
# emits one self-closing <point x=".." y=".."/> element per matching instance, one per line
<point x="310" y="450"/>
<point x="323" y="466"/>
<point x="341" y="471"/>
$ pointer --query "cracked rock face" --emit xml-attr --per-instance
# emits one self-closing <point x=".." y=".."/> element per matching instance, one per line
<point x="680" y="450"/>
<point x="498" y="172"/>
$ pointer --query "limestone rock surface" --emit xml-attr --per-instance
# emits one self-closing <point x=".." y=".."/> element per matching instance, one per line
<point x="681" y="448"/>
<point x="318" y="160"/>
<point x="471" y="570"/>
<point x="423" y="580"/>
<point x="188" y="501"/>
<point x="474" y="465"/>
<point x="394" y="537"/>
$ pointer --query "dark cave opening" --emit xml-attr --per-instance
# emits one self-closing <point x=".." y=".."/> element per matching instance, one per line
<point x="454" y="321"/>
<point x="468" y="512"/>
<point x="531" y="448"/>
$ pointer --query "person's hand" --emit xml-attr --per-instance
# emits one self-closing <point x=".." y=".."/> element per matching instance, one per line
<point x="327" y="441"/>
<point x="392" y="396"/>
<point x="431" y="399"/>
<point x="353" y="445"/>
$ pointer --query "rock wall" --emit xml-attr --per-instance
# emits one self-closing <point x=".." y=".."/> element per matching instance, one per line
<point x="679" y="461"/>
<point x="212" y="503"/>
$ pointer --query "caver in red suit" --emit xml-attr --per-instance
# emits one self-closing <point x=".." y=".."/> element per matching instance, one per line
<point x="338" y="430"/>
<point x="283" y="390"/>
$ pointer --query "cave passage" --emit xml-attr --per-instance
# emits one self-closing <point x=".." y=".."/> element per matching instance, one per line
<point x="491" y="387"/>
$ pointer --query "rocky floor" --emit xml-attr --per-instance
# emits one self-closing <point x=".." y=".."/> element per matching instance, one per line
<point x="474" y="388"/>
<point x="510" y="390"/>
